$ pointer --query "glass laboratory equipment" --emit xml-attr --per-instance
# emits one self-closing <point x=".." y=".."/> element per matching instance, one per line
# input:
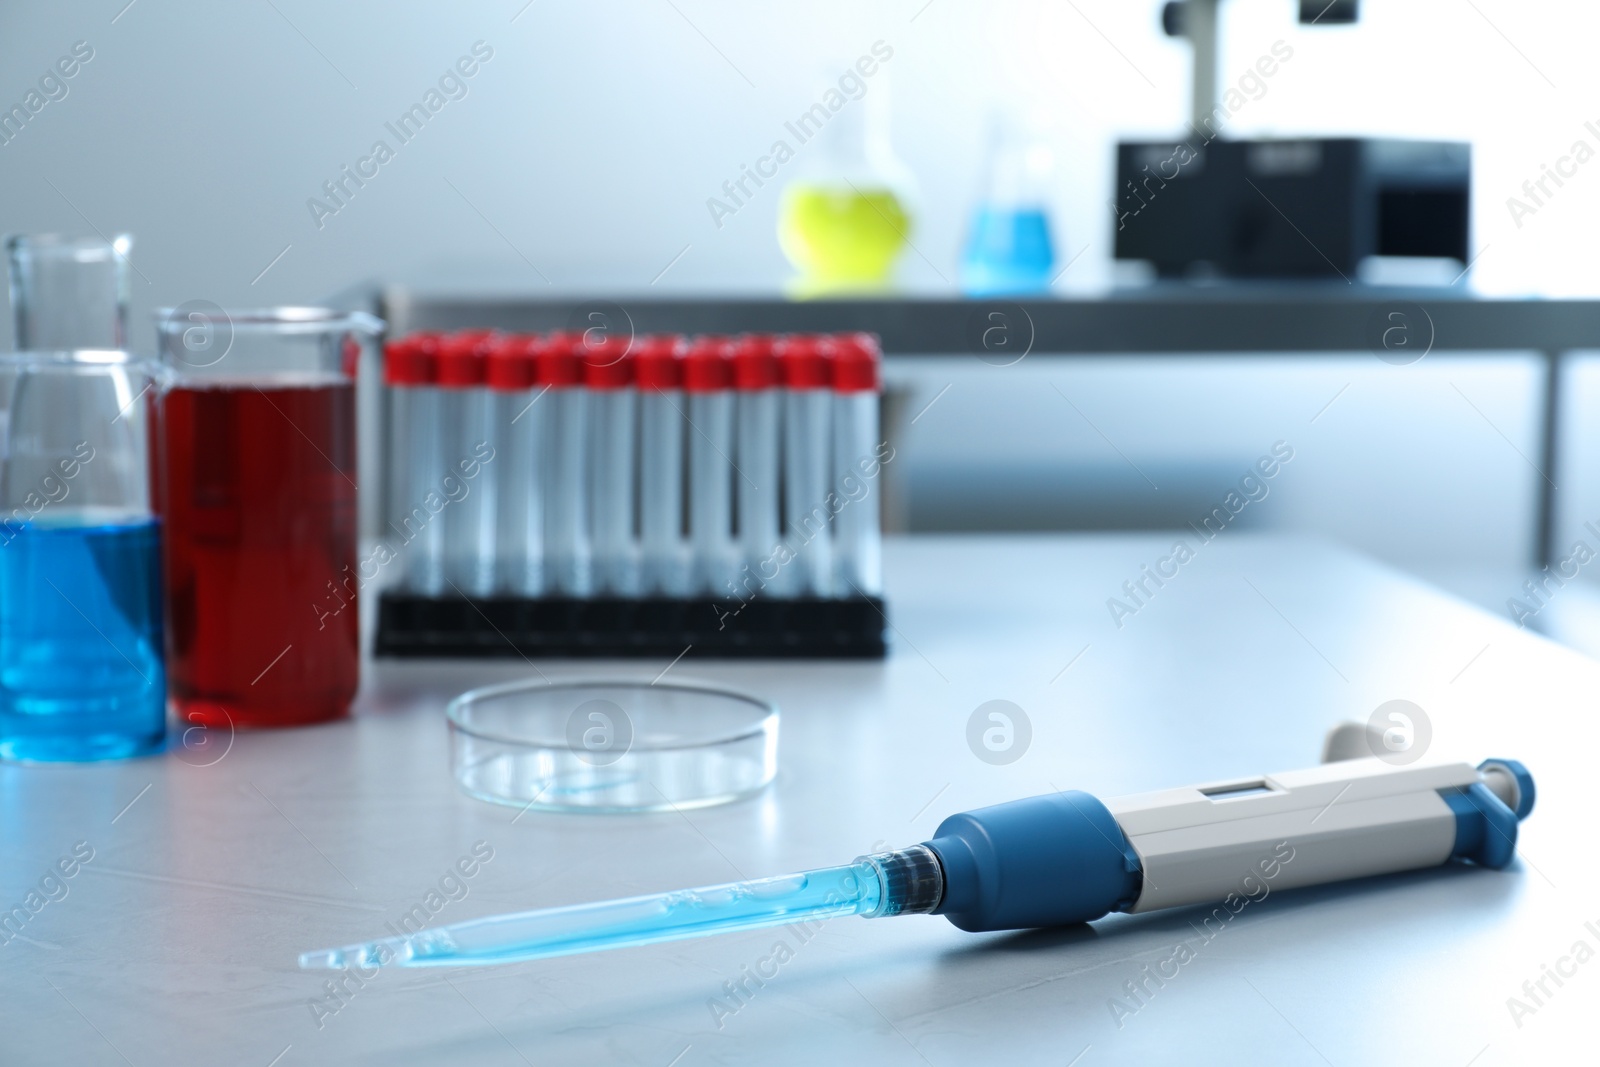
<point x="611" y="745"/>
<point x="258" y="497"/>
<point x="69" y="293"/>
<point x="708" y="381"/>
<point x="758" y="439"/>
<point x="846" y="216"/>
<point x="857" y="527"/>
<point x="81" y="674"/>
<point x="804" y="362"/>
<point x="1009" y="248"/>
<point x="467" y="414"/>
<point x="413" y="456"/>
<point x="608" y="374"/>
<point x="519" y="512"/>
<point x="658" y="374"/>
<point x="569" y="559"/>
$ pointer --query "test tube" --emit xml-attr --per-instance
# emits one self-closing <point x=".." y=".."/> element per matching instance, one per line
<point x="707" y="375"/>
<point x="407" y="372"/>
<point x="608" y="372"/>
<point x="857" y="540"/>
<point x="755" y="383"/>
<point x="467" y="425"/>
<point x="658" y="375"/>
<point x="416" y="493"/>
<point x="567" y="555"/>
<point x="803" y="368"/>
<point x="518" y="468"/>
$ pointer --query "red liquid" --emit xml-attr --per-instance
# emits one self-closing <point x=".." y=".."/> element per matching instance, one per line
<point x="259" y="512"/>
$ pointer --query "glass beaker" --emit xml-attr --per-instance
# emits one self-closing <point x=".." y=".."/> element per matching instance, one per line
<point x="81" y="673"/>
<point x="69" y="292"/>
<point x="258" y="497"/>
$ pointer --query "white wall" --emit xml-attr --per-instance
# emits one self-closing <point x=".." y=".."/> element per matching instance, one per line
<point x="593" y="138"/>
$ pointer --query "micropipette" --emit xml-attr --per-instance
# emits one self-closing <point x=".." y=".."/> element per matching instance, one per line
<point x="1054" y="860"/>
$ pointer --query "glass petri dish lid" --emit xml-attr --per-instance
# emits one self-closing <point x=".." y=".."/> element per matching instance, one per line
<point x="613" y="746"/>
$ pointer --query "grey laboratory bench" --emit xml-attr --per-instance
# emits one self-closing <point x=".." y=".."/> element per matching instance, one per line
<point x="214" y="866"/>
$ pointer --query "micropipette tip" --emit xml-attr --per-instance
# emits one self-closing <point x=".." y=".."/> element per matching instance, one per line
<point x="427" y="946"/>
<point x="869" y="886"/>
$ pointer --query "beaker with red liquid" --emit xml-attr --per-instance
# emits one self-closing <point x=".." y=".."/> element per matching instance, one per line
<point x="257" y="489"/>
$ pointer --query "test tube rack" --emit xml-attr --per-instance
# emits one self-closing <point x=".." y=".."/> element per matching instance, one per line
<point x="570" y="494"/>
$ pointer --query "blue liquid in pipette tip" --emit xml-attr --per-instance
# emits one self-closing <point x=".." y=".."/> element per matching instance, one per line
<point x="81" y="675"/>
<point x="830" y="891"/>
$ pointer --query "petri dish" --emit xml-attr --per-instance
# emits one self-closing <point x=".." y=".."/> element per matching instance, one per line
<point x="611" y="746"/>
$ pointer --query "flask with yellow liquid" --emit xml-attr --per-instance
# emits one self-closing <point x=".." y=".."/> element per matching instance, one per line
<point x="846" y="216"/>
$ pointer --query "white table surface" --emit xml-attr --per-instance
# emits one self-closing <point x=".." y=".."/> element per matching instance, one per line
<point x="176" y="943"/>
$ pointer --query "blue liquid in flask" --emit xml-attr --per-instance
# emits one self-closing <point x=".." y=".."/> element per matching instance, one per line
<point x="1008" y="252"/>
<point x="81" y="675"/>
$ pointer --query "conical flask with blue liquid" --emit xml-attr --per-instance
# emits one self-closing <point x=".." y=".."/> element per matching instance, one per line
<point x="81" y="661"/>
<point x="1009" y="249"/>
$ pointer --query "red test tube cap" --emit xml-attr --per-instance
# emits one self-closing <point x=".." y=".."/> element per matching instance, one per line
<point x="803" y="361"/>
<point x="409" y="360"/>
<point x="511" y="363"/>
<point x="708" y="365"/>
<point x="607" y="363"/>
<point x="558" y="360"/>
<point x="462" y="357"/>
<point x="856" y="363"/>
<point x="658" y="362"/>
<point x="755" y="364"/>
